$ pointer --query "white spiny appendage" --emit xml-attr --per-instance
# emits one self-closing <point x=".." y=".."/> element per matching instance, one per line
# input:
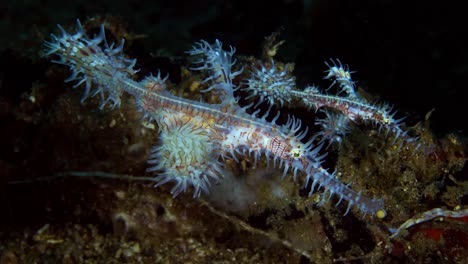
<point x="270" y="84"/>
<point x="93" y="61"/>
<point x="218" y="63"/>
<point x="186" y="154"/>
<point x="356" y="110"/>
<point x="317" y="176"/>
<point x="297" y="156"/>
<point x="305" y="157"/>
<point x="383" y="118"/>
<point x="151" y="84"/>
<point x="334" y="127"/>
<point x="341" y="75"/>
<point x="309" y="92"/>
<point x="155" y="84"/>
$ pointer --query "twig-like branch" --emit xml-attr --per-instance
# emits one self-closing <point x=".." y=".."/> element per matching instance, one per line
<point x="247" y="227"/>
<point x="429" y="215"/>
<point x="85" y="174"/>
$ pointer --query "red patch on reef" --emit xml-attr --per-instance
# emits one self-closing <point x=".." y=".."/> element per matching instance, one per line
<point x="454" y="243"/>
<point x="433" y="233"/>
<point x="398" y="250"/>
<point x="462" y="219"/>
